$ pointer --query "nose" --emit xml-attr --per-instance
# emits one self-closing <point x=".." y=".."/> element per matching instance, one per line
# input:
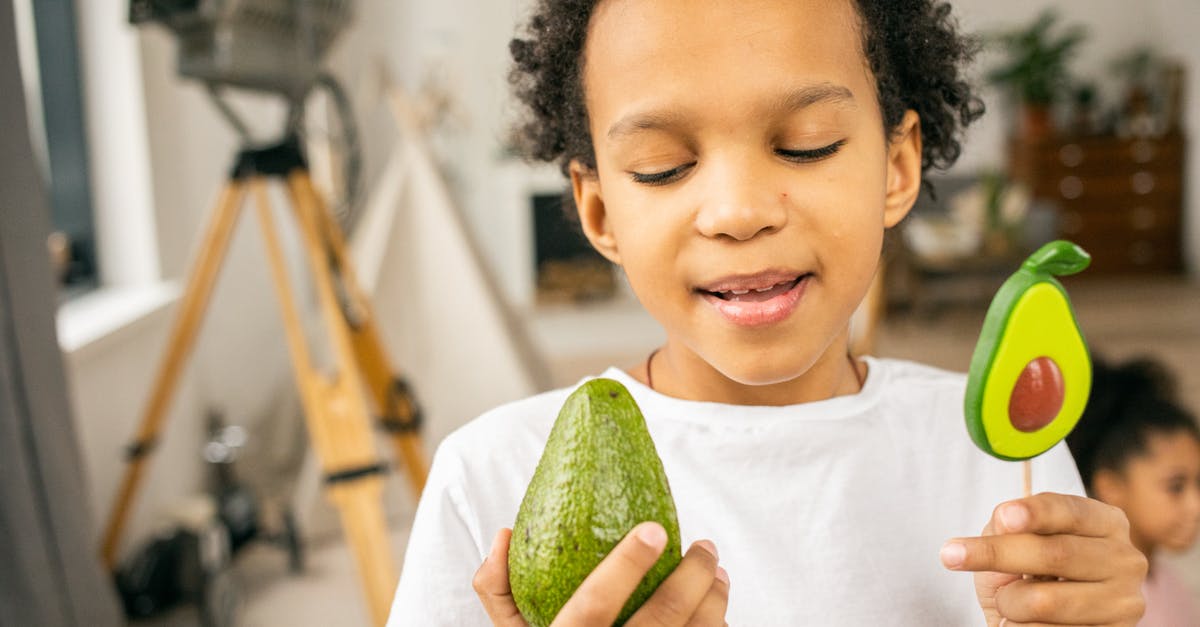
<point x="740" y="202"/>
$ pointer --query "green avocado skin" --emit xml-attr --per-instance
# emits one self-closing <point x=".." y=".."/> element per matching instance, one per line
<point x="598" y="477"/>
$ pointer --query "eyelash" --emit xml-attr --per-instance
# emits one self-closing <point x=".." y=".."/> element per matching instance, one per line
<point x="805" y="156"/>
<point x="797" y="156"/>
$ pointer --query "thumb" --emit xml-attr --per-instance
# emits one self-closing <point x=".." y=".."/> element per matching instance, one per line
<point x="492" y="586"/>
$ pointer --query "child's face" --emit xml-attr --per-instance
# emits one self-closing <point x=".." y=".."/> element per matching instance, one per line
<point x="739" y="145"/>
<point x="1160" y="492"/>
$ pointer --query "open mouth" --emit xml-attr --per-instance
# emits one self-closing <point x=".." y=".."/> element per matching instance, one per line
<point x="756" y="300"/>
<point x="756" y="294"/>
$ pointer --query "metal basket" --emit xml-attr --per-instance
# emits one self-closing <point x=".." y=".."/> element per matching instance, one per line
<point x="265" y="45"/>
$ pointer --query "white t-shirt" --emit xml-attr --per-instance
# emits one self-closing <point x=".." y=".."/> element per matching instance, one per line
<point x="825" y="513"/>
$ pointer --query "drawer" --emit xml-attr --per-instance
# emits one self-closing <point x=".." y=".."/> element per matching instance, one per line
<point x="1135" y="220"/>
<point x="1136" y="186"/>
<point x="1156" y="253"/>
<point x="1090" y="156"/>
<point x="1085" y="158"/>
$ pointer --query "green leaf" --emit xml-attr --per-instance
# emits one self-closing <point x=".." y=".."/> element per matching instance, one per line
<point x="1058" y="258"/>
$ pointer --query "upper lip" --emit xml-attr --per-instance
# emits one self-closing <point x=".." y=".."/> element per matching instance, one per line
<point x="757" y="281"/>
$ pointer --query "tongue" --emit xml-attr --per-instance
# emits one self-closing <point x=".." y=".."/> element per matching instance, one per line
<point x="757" y="297"/>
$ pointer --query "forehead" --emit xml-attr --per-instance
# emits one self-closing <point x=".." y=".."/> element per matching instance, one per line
<point x="719" y="53"/>
<point x="1173" y="448"/>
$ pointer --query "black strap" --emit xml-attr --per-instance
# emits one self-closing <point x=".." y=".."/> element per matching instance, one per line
<point x="278" y="160"/>
<point x="138" y="450"/>
<point x="342" y="476"/>
<point x="403" y="414"/>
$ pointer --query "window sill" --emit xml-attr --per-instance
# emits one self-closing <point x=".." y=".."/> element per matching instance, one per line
<point x="89" y="322"/>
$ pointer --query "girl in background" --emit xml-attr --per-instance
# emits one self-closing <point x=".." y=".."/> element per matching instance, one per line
<point x="1139" y="450"/>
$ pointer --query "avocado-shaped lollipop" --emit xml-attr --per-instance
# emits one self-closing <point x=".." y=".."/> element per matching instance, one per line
<point x="1030" y="374"/>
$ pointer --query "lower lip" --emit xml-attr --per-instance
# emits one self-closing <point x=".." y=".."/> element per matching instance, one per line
<point x="757" y="314"/>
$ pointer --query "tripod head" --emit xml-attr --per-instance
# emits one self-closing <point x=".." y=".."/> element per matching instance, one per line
<point x="262" y="45"/>
<point x="271" y="46"/>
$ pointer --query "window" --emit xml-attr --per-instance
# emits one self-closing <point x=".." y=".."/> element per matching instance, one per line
<point x="50" y="70"/>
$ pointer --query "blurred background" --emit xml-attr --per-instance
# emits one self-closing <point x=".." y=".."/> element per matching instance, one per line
<point x="118" y="151"/>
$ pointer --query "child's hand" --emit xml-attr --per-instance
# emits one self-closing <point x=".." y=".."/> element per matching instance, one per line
<point x="1085" y="570"/>
<point x="696" y="592"/>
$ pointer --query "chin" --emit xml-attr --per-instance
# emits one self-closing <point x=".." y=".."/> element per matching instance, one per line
<point x="1180" y="545"/>
<point x="765" y="370"/>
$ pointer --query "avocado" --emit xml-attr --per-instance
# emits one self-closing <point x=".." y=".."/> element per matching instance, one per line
<point x="1030" y="374"/>
<point x="598" y="477"/>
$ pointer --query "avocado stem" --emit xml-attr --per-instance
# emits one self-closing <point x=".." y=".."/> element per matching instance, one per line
<point x="1058" y="258"/>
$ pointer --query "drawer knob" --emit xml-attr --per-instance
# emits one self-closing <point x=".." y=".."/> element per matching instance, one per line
<point x="1071" y="187"/>
<point x="1143" y="183"/>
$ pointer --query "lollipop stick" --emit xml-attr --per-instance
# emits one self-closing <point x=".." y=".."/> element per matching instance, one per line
<point x="1028" y="478"/>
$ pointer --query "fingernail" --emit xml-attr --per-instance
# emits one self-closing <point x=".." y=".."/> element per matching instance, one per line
<point x="707" y="545"/>
<point x="953" y="554"/>
<point x="722" y="575"/>
<point x="1014" y="516"/>
<point x="652" y="535"/>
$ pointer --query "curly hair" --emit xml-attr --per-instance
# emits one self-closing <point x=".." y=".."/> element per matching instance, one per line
<point x="914" y="49"/>
<point x="1129" y="403"/>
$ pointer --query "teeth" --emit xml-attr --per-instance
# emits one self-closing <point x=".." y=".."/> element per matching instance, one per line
<point x="765" y="289"/>
<point x="740" y="292"/>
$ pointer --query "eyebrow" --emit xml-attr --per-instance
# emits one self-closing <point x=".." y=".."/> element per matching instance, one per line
<point x="794" y="100"/>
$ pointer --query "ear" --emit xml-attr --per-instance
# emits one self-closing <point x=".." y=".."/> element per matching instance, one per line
<point x="1109" y="486"/>
<point x="593" y="216"/>
<point x="903" y="169"/>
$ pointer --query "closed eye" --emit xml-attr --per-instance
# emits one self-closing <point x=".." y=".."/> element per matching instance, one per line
<point x="816" y="154"/>
<point x="660" y="178"/>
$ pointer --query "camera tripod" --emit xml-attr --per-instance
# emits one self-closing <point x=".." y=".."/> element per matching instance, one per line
<point x="334" y="407"/>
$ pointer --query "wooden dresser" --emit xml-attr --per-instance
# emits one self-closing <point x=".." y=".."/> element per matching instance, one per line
<point x="1120" y="199"/>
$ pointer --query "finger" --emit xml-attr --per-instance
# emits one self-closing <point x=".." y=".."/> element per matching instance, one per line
<point x="711" y="612"/>
<point x="492" y="586"/>
<point x="679" y="595"/>
<point x="1065" y="602"/>
<point x="1050" y="513"/>
<point x="599" y="599"/>
<point x="1071" y="557"/>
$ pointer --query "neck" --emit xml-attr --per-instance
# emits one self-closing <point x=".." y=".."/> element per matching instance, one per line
<point x="678" y="372"/>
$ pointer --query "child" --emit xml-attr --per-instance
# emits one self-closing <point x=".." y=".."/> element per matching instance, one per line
<point x="740" y="160"/>
<point x="1140" y="451"/>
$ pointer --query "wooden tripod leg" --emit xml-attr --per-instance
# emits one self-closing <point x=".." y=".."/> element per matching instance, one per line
<point x="187" y="324"/>
<point x="336" y="412"/>
<point x="395" y="407"/>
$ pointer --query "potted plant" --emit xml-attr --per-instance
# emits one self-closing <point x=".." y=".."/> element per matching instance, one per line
<point x="1036" y="68"/>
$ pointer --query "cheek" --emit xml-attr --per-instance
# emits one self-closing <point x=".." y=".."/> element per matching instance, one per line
<point x="1155" y="510"/>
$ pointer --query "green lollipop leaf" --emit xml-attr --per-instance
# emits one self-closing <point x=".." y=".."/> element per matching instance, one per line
<point x="1058" y="258"/>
